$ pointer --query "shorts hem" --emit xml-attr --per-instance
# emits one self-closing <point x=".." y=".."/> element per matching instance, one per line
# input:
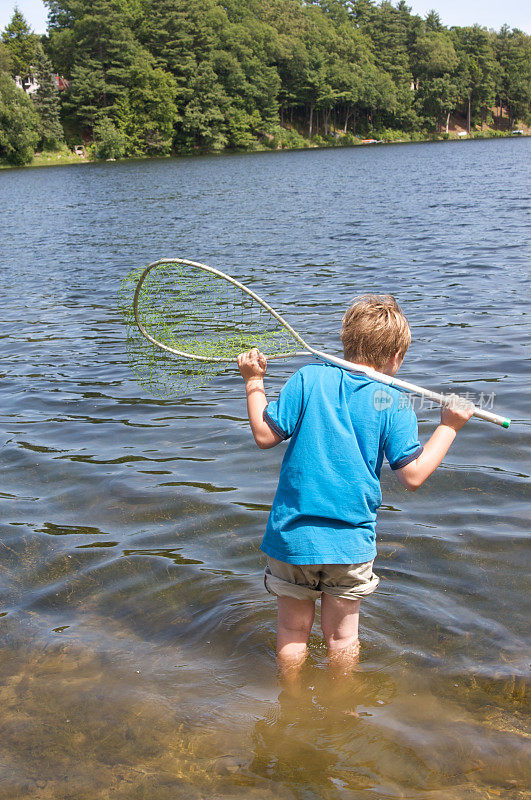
<point x="280" y="588"/>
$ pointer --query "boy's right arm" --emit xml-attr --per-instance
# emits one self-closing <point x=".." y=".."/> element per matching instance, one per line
<point x="453" y="417"/>
<point x="252" y="366"/>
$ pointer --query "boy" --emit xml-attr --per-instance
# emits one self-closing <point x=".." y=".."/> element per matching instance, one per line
<point x="320" y="535"/>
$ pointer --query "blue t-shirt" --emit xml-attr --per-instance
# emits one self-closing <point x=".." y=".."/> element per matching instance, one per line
<point x="341" y="425"/>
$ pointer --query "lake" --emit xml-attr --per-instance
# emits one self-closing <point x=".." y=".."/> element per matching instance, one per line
<point x="137" y="655"/>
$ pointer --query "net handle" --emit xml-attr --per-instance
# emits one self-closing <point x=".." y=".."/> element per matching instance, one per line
<point x="412" y="388"/>
<point x="219" y="274"/>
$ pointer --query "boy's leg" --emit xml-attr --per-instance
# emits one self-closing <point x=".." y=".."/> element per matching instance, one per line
<point x="339" y="621"/>
<point x="295" y="620"/>
<point x="344" y="586"/>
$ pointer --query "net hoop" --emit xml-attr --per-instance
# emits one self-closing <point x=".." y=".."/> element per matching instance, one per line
<point x="229" y="279"/>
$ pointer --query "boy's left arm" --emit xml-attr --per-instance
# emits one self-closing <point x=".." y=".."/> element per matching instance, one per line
<point x="453" y="416"/>
<point x="252" y="366"/>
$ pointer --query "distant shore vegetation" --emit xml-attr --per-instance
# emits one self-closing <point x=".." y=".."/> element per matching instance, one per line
<point x="131" y="78"/>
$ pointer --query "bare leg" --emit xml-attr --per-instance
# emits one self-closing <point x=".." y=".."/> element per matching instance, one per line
<point x="339" y="621"/>
<point x="295" y="620"/>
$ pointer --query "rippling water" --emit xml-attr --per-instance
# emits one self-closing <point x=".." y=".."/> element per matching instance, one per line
<point x="137" y="639"/>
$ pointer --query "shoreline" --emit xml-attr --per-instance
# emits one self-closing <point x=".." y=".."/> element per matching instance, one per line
<point x="67" y="159"/>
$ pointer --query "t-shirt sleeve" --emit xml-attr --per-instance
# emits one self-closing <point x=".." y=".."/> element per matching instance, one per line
<point x="402" y="443"/>
<point x="282" y="415"/>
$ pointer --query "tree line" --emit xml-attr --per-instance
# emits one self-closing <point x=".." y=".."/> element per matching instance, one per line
<point x="151" y="77"/>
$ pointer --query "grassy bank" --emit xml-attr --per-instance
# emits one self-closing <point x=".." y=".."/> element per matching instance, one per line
<point x="49" y="159"/>
<point x="296" y="142"/>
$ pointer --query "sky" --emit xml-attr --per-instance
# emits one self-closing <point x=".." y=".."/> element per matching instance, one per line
<point x="489" y="13"/>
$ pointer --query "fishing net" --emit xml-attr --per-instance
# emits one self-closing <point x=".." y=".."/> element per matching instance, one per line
<point x="199" y="314"/>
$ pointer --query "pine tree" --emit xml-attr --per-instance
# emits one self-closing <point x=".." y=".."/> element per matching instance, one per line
<point x="104" y="49"/>
<point x="22" y="44"/>
<point x="388" y="30"/>
<point x="167" y="31"/>
<point x="433" y="21"/>
<point x="47" y="104"/>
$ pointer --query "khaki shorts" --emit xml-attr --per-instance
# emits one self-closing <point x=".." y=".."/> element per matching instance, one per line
<point x="309" y="581"/>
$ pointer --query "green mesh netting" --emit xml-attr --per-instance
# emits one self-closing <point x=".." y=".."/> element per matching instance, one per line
<point x="199" y="313"/>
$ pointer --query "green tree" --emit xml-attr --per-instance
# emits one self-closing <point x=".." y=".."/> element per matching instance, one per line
<point x="392" y="32"/>
<point x="433" y="21"/>
<point x="388" y="28"/>
<point x="61" y="44"/>
<point x="203" y="118"/>
<point x="109" y="140"/>
<point x="379" y="95"/>
<point x="242" y="62"/>
<point x="242" y="128"/>
<point x="18" y="123"/>
<point x="5" y="58"/>
<point x="146" y="113"/>
<point x="438" y="99"/>
<point x="434" y="62"/>
<point x="434" y="55"/>
<point x="178" y="36"/>
<point x="289" y="53"/>
<point x="104" y="51"/>
<point x="317" y="91"/>
<point x="476" y="72"/>
<point x="22" y="44"/>
<point x="514" y="83"/>
<point x="47" y="103"/>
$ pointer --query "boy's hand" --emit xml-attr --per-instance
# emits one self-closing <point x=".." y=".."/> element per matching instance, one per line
<point x="252" y="364"/>
<point x="456" y="412"/>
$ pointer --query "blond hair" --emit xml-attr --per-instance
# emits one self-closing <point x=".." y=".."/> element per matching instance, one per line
<point x="374" y="330"/>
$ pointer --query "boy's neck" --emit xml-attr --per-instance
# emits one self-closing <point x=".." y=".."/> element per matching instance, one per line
<point x="390" y="368"/>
